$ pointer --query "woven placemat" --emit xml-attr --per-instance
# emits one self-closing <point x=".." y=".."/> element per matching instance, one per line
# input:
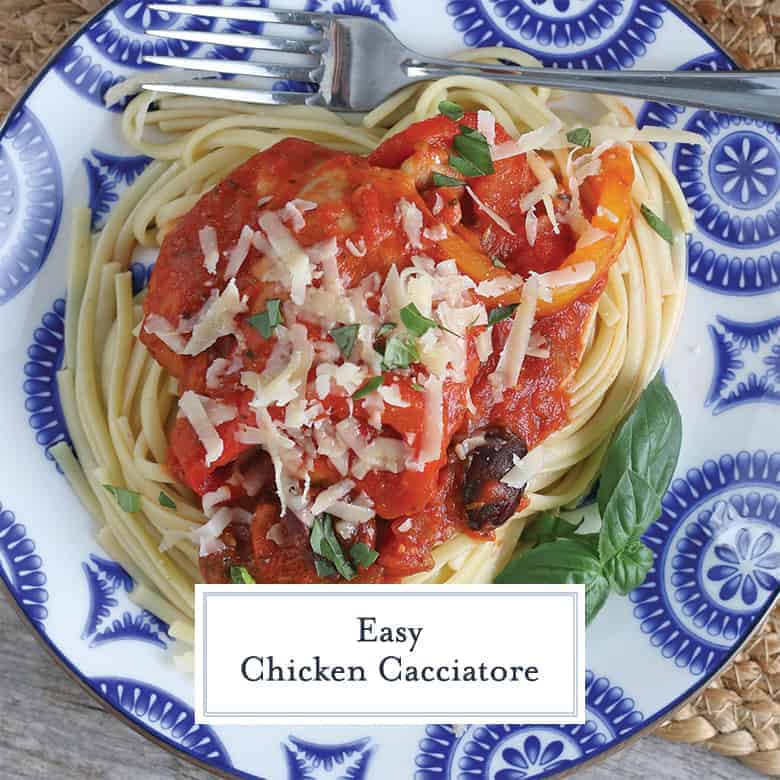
<point x="739" y="713"/>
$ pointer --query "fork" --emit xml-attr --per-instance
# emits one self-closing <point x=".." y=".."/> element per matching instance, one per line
<point x="355" y="63"/>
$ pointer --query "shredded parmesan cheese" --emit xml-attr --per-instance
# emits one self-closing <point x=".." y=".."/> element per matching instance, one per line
<point x="208" y="245"/>
<point x="411" y="220"/>
<point x="192" y="408"/>
<point x="499" y="220"/>
<point x="239" y="252"/>
<point x="292" y="255"/>
<point x="216" y="319"/>
<point x="486" y="124"/>
<point x="512" y="356"/>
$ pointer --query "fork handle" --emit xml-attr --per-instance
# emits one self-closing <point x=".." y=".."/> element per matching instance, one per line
<point x="749" y="93"/>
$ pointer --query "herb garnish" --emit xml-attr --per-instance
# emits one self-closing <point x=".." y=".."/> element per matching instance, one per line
<point x="384" y="329"/>
<point x="579" y="136"/>
<point x="657" y="224"/>
<point x="166" y="501"/>
<point x="345" y="337"/>
<point x="266" y="321"/>
<point x="473" y="153"/>
<point x="418" y="387"/>
<point x="400" y="352"/>
<point x="362" y="554"/>
<point x="240" y="576"/>
<point x="636" y="472"/>
<point x="440" y="180"/>
<point x="451" y="110"/>
<point x="501" y="313"/>
<point x="368" y="387"/>
<point x="324" y="543"/>
<point x="129" y="500"/>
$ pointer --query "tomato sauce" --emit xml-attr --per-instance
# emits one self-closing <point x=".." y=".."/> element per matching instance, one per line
<point x="357" y="199"/>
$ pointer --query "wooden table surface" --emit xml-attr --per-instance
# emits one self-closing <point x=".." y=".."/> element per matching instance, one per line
<point x="51" y="728"/>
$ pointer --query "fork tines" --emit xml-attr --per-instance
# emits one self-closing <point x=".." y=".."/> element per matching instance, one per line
<point x="310" y="46"/>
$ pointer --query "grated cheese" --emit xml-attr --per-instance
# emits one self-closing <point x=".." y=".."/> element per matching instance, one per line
<point x="463" y="448"/>
<point x="570" y="274"/>
<point x="331" y="495"/>
<point x="534" y="139"/>
<point x="486" y="124"/>
<point x="157" y="325"/>
<point x="294" y="210"/>
<point x="219" y="368"/>
<point x="494" y="288"/>
<point x="192" y="408"/>
<point x="239" y="252"/>
<point x="438" y="205"/>
<point x="499" y="220"/>
<point x="531" y="226"/>
<point x="485" y="345"/>
<point x="357" y="249"/>
<point x="208" y="245"/>
<point x="411" y="220"/>
<point x="391" y="394"/>
<point x="433" y="425"/>
<point x="291" y="254"/>
<point x="216" y="319"/>
<point x="436" y="233"/>
<point x="213" y="498"/>
<point x="512" y="356"/>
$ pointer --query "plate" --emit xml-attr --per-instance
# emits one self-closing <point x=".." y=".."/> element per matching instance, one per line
<point x="716" y="545"/>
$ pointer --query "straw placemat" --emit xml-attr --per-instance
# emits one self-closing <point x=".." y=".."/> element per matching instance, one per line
<point x="739" y="714"/>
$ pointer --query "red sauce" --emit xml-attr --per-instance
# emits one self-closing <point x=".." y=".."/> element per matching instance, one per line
<point x="358" y="198"/>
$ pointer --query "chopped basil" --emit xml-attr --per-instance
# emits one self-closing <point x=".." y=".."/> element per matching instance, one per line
<point x="496" y="262"/>
<point x="579" y="136"/>
<point x="362" y="554"/>
<point x="384" y="329"/>
<point x="416" y="323"/>
<point x="324" y="543"/>
<point x="324" y="568"/>
<point x="501" y="313"/>
<point x="451" y="110"/>
<point x="166" y="501"/>
<point x="471" y="147"/>
<point x="240" y="576"/>
<point x="466" y="167"/>
<point x="440" y="180"/>
<point x="400" y="352"/>
<point x="368" y="387"/>
<point x="128" y="500"/>
<point x="418" y="387"/>
<point x="657" y="224"/>
<point x="265" y="322"/>
<point x="345" y="337"/>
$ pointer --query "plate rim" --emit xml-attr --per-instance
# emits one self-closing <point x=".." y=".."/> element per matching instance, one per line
<point x="160" y="740"/>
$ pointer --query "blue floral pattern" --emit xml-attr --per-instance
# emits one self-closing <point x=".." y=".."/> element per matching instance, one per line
<point x="747" y="363"/>
<point x="114" y="42"/>
<point x="381" y="10"/>
<point x="166" y="716"/>
<point x="732" y="188"/>
<point x="22" y="569"/>
<point x="30" y="201"/>
<point x="111" y="615"/>
<point x="311" y="761"/>
<point x="716" y="549"/>
<point x="507" y="752"/>
<point x="40" y="385"/>
<point x="107" y="174"/>
<point x="603" y="34"/>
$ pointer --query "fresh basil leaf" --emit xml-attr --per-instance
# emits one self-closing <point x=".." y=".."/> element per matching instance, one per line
<point x="368" y="387"/>
<point x="565" y="562"/>
<point x="266" y="321"/>
<point x="579" y="136"/>
<point x="166" y="501"/>
<point x="464" y="166"/>
<point x="362" y="554"/>
<point x="415" y="322"/>
<point x="648" y="443"/>
<point x="501" y="313"/>
<point x="128" y="500"/>
<point x="657" y="224"/>
<point x="440" y="180"/>
<point x="324" y="568"/>
<point x="418" y="387"/>
<point x="473" y="133"/>
<point x="547" y="527"/>
<point x="345" y="337"/>
<point x="400" y="352"/>
<point x="324" y="543"/>
<point x="451" y="110"/>
<point x="632" y="507"/>
<point x="384" y="329"/>
<point x="475" y="149"/>
<point x="240" y="576"/>
<point x="629" y="569"/>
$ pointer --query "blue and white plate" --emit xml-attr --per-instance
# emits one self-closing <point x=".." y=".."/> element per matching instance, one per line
<point x="717" y="544"/>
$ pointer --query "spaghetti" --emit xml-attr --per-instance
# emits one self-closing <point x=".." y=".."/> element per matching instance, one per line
<point x="119" y="401"/>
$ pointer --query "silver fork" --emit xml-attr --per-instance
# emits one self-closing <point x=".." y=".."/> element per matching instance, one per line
<point x="356" y="63"/>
